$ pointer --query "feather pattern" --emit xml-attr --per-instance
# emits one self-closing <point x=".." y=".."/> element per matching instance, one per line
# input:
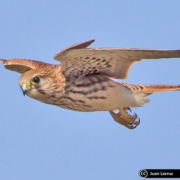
<point x="111" y="62"/>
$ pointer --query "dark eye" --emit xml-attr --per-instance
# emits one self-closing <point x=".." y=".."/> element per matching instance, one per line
<point x="36" y="80"/>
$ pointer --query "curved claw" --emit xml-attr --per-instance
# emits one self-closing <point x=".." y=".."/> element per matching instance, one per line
<point x="129" y="109"/>
<point x="137" y="118"/>
<point x="122" y="117"/>
<point x="133" y="126"/>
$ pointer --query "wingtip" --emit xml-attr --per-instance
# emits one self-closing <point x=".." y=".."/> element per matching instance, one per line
<point x="81" y="45"/>
<point x="3" y="60"/>
<point x="92" y="40"/>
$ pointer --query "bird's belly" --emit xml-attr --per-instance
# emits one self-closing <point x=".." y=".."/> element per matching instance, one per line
<point x="86" y="105"/>
<point x="97" y="101"/>
<point x="94" y="93"/>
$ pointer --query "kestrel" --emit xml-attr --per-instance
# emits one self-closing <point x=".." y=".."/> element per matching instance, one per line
<point x="83" y="80"/>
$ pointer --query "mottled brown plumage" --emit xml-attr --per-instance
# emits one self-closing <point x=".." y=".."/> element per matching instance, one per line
<point x="82" y="81"/>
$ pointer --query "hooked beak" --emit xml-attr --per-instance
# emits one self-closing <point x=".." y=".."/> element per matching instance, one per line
<point x="25" y="87"/>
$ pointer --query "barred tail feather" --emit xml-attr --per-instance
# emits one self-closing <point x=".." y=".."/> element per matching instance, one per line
<point x="149" y="89"/>
<point x="140" y="92"/>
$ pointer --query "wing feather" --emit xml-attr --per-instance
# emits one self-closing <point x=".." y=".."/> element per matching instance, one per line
<point x="111" y="62"/>
<point x="22" y="65"/>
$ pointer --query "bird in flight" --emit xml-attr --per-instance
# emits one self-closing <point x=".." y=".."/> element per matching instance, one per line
<point x="82" y="82"/>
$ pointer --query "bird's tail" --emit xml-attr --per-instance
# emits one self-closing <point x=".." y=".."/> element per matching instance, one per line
<point x="149" y="89"/>
<point x="140" y="92"/>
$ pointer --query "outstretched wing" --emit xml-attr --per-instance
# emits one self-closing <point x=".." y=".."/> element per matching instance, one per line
<point x="22" y="65"/>
<point x="78" y="60"/>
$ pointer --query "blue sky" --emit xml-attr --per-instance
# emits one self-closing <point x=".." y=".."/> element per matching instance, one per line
<point x="39" y="141"/>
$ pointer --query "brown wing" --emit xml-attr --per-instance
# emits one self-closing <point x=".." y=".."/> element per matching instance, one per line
<point x="112" y="62"/>
<point x="22" y="65"/>
<point x="82" y="45"/>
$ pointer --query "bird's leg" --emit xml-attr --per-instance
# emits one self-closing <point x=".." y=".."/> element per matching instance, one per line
<point x="122" y="117"/>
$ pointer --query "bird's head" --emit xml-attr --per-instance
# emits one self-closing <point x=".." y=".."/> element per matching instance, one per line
<point x="41" y="85"/>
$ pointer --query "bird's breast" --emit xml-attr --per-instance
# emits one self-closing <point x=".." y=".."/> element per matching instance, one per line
<point x="90" y="93"/>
